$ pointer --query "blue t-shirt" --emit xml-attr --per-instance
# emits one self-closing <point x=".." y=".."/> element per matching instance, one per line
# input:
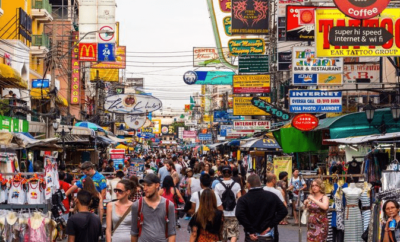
<point x="163" y="172"/>
<point x="214" y="183"/>
<point x="98" y="179"/>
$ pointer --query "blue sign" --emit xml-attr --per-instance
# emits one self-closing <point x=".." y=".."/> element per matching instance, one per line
<point x="106" y="52"/>
<point x="315" y="101"/>
<point x="146" y="135"/>
<point x="225" y="116"/>
<point x="205" y="137"/>
<point x="225" y="130"/>
<point x="305" y="79"/>
<point x="41" y="83"/>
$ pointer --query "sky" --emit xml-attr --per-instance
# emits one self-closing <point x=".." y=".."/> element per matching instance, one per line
<point x="155" y="26"/>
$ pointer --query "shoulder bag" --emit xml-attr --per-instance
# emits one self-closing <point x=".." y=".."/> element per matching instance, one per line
<point x="120" y="220"/>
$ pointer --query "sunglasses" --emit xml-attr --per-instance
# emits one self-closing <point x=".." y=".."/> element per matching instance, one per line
<point x="116" y="190"/>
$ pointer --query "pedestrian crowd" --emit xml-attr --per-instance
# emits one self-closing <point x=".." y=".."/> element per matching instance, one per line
<point x="216" y="195"/>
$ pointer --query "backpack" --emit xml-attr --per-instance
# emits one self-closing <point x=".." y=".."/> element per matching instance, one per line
<point x="141" y="218"/>
<point x="228" y="197"/>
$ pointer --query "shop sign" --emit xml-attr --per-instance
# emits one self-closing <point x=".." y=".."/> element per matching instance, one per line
<point x="250" y="17"/>
<point x="361" y="9"/>
<point x="251" y="84"/>
<point x="190" y="122"/>
<point x="228" y="25"/>
<point x="118" y="156"/>
<point x="300" y="23"/>
<point x="146" y="135"/>
<point x="305" y="61"/>
<point x="205" y="137"/>
<point x="208" y="77"/>
<point x="243" y="106"/>
<point x="106" y="33"/>
<point x="40" y="83"/>
<point x="225" y="5"/>
<point x="315" y="101"/>
<point x="87" y="51"/>
<point x="224" y="116"/>
<point x="252" y="125"/>
<point x="7" y="59"/>
<point x="281" y="28"/>
<point x="75" y="75"/>
<point x="253" y="63"/>
<point x="167" y="130"/>
<point x="317" y="79"/>
<point x="134" y="121"/>
<point x="363" y="74"/>
<point x="270" y="109"/>
<point x="283" y="164"/>
<point x="285" y="61"/>
<point x="246" y="46"/>
<point x="119" y="63"/>
<point x="209" y="57"/>
<point x="132" y="104"/>
<point x="106" y="52"/>
<point x="189" y="134"/>
<point x="156" y="126"/>
<point x="305" y="122"/>
<point x="354" y="36"/>
<point x="146" y="130"/>
<point x="225" y="130"/>
<point x="329" y="18"/>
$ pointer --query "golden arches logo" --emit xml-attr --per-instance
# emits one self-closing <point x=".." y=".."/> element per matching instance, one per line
<point x="88" y="48"/>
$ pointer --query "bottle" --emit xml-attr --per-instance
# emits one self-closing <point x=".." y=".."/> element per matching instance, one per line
<point x="392" y="225"/>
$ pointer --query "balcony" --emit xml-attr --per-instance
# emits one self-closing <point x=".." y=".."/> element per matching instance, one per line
<point x="40" y="45"/>
<point x="41" y="11"/>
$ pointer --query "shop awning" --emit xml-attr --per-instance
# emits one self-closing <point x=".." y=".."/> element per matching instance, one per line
<point x="124" y="147"/>
<point x="36" y="93"/>
<point x="263" y="143"/>
<point x="10" y="78"/>
<point x="75" y="130"/>
<point x="365" y="139"/>
<point x="116" y="139"/>
<point x="26" y="142"/>
<point x="105" y="141"/>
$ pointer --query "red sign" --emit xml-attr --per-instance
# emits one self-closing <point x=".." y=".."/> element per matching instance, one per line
<point x="87" y="51"/>
<point x="189" y="134"/>
<point x="225" y="5"/>
<point x="75" y="78"/>
<point x="361" y="9"/>
<point x="305" y="122"/>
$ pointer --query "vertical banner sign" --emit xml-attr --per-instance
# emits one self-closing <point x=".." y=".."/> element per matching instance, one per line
<point x="75" y="77"/>
<point x="250" y="17"/>
<point x="283" y="163"/>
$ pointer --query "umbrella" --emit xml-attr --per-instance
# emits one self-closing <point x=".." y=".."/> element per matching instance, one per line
<point x="90" y="125"/>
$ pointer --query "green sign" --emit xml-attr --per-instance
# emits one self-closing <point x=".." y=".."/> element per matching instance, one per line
<point x="254" y="64"/>
<point x="227" y="25"/>
<point x="13" y="125"/>
<point x="246" y="46"/>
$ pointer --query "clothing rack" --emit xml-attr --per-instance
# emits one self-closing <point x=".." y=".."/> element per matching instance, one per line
<point x="44" y="207"/>
<point x="331" y="176"/>
<point x="23" y="173"/>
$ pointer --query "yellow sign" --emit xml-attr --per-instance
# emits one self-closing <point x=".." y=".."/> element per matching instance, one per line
<point x="242" y="106"/>
<point x="283" y="163"/>
<point x="107" y="75"/>
<point x="157" y="126"/>
<point x="328" y="18"/>
<point x="330" y="79"/>
<point x="251" y="83"/>
<point x="207" y="118"/>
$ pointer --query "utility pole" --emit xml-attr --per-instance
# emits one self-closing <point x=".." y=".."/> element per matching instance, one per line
<point x="51" y="131"/>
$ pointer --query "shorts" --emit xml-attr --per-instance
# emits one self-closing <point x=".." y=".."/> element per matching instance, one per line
<point x="231" y="228"/>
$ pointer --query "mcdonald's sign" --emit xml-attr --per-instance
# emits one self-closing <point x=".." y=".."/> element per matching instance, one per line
<point x="87" y="51"/>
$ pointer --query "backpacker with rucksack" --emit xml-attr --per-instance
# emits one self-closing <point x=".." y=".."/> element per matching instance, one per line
<point x="228" y="197"/>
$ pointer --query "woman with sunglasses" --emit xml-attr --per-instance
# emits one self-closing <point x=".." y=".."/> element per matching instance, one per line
<point x="118" y="220"/>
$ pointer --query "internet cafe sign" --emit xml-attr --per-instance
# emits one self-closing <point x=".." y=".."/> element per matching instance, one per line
<point x="132" y="104"/>
<point x="326" y="19"/>
<point x="252" y="125"/>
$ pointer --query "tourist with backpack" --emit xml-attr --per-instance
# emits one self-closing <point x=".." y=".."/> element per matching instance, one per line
<point x="229" y="191"/>
<point x="153" y="217"/>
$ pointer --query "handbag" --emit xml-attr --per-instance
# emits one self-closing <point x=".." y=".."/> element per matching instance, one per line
<point x="304" y="217"/>
<point x="120" y="221"/>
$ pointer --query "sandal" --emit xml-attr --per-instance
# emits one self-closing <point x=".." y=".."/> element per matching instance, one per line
<point x="283" y="223"/>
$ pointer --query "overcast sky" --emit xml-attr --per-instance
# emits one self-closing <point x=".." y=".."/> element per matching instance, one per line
<point x="164" y="26"/>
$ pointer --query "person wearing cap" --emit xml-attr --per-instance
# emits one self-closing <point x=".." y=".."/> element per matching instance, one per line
<point x="153" y="211"/>
<point x="98" y="179"/>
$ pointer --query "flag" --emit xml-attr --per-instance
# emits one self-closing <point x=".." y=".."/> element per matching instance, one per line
<point x="192" y="100"/>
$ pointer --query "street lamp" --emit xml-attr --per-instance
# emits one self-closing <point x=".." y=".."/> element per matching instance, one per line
<point x="56" y="124"/>
<point x="395" y="112"/>
<point x="370" y="111"/>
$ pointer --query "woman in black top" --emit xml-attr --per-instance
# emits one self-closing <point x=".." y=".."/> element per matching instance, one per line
<point x="207" y="223"/>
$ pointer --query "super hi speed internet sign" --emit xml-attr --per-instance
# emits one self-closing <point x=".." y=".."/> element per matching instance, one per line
<point x="315" y="101"/>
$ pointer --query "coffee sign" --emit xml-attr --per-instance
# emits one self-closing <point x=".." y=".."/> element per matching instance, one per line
<point x="361" y="9"/>
<point x="305" y="122"/>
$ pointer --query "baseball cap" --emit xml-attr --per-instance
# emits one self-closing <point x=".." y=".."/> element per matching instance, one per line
<point x="150" y="179"/>
<point x="227" y="168"/>
<point x="87" y="165"/>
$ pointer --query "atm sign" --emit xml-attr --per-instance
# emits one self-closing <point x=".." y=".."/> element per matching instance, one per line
<point x="87" y="51"/>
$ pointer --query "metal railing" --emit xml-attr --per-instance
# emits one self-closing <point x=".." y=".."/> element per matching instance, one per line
<point x="42" y="4"/>
<point x="41" y="40"/>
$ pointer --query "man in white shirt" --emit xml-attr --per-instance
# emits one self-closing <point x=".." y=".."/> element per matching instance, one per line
<point x="178" y="167"/>
<point x="112" y="184"/>
<point x="227" y="185"/>
<point x="205" y="183"/>
<point x="271" y="184"/>
<point x="148" y="169"/>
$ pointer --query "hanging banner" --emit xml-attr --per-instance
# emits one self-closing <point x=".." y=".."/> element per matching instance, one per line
<point x="243" y="106"/>
<point x="246" y="46"/>
<point x="250" y="17"/>
<point x="209" y="57"/>
<point x="132" y="104"/>
<point x="135" y="121"/>
<point x="283" y="164"/>
<point x="75" y="75"/>
<point x="315" y="101"/>
<point x="252" y="125"/>
<point x="328" y="18"/>
<point x="251" y="84"/>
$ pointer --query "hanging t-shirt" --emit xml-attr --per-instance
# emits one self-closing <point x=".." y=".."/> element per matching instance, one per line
<point x="34" y="194"/>
<point x="3" y="194"/>
<point x="56" y="181"/>
<point x="16" y="194"/>
<point x="354" y="169"/>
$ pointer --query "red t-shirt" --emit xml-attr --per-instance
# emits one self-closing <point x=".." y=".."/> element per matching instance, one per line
<point x="65" y="186"/>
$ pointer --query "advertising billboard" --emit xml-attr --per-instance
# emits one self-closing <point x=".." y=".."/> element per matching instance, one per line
<point x="243" y="106"/>
<point x="328" y="18"/>
<point x="251" y="84"/>
<point x="250" y="17"/>
<point x="246" y="46"/>
<point x="75" y="76"/>
<point x="300" y="23"/>
<point x="252" y="125"/>
<point x="132" y="104"/>
<point x="284" y="61"/>
<point x="119" y="63"/>
<point x="315" y="101"/>
<point x="208" y="77"/>
<point x="87" y="51"/>
<point x="209" y="57"/>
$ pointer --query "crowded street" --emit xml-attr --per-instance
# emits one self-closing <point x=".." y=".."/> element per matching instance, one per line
<point x="199" y="121"/>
